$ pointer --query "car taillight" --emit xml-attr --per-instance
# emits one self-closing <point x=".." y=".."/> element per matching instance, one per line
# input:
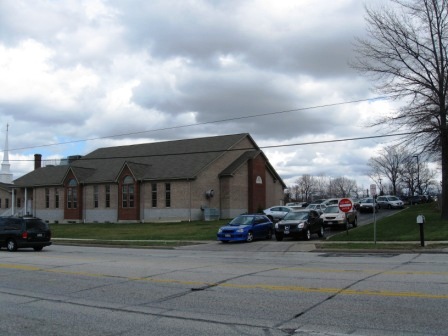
<point x="25" y="235"/>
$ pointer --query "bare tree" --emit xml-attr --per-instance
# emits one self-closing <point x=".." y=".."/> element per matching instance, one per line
<point x="293" y="192"/>
<point x="408" y="175"/>
<point x="387" y="164"/>
<point x="307" y="185"/>
<point x="406" y="53"/>
<point x="322" y="182"/>
<point x="343" y="187"/>
<point x="416" y="176"/>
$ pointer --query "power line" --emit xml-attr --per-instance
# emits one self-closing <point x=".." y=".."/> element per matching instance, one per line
<point x="245" y="149"/>
<point x="205" y="123"/>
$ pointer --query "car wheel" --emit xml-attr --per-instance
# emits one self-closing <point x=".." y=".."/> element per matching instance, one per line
<point x="321" y="232"/>
<point x="269" y="236"/>
<point x="389" y="206"/>
<point x="355" y="222"/>
<point x="307" y="234"/>
<point x="11" y="245"/>
<point x="250" y="237"/>
<point x="279" y="236"/>
<point x="38" y="248"/>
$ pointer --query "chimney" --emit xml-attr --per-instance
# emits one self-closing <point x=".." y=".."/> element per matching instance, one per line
<point x="37" y="161"/>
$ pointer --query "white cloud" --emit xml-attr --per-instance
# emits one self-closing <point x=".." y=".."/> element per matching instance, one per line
<point x="89" y="69"/>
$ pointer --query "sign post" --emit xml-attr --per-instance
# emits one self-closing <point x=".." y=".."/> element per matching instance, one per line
<point x="345" y="205"/>
<point x="373" y="193"/>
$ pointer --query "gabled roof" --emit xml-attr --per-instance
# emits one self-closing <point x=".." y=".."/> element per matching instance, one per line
<point x="48" y="176"/>
<point x="233" y="167"/>
<point x="6" y="186"/>
<point x="180" y="159"/>
<point x="243" y="158"/>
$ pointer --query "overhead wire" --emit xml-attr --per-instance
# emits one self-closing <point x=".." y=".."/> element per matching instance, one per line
<point x="226" y="120"/>
<point x="204" y="123"/>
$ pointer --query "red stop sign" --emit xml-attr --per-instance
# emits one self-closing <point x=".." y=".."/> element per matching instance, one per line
<point x="345" y="205"/>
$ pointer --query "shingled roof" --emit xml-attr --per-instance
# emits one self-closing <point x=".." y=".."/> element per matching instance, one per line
<point x="180" y="159"/>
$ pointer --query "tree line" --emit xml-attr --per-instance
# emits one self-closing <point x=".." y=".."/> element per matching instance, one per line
<point x="394" y="171"/>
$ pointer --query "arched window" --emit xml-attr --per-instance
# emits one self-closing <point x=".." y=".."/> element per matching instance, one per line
<point x="72" y="194"/>
<point x="128" y="192"/>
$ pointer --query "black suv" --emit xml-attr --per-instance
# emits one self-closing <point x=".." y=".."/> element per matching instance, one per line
<point x="19" y="232"/>
<point x="301" y="223"/>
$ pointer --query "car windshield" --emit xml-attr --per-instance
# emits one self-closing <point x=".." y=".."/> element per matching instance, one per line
<point x="242" y="220"/>
<point x="393" y="198"/>
<point x="312" y="206"/>
<point x="331" y="209"/>
<point x="296" y="215"/>
<point x="367" y="200"/>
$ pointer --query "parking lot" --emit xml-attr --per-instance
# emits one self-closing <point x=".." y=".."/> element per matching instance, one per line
<point x="287" y="245"/>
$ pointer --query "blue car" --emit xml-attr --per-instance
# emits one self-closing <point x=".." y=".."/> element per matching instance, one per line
<point x="246" y="228"/>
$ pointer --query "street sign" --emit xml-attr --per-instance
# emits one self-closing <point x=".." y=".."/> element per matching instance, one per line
<point x="345" y="204"/>
<point x="373" y="190"/>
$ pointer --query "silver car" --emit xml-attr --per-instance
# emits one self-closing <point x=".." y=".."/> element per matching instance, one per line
<point x="389" y="202"/>
<point x="319" y="207"/>
<point x="276" y="213"/>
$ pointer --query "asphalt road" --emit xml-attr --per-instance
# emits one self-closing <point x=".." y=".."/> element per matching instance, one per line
<point x="234" y="290"/>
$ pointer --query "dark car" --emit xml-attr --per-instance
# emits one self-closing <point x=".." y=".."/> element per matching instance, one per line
<point x="246" y="228"/>
<point x="22" y="232"/>
<point x="418" y="199"/>
<point x="368" y="204"/>
<point x="301" y="223"/>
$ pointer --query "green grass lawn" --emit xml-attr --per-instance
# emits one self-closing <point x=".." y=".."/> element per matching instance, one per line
<point x="402" y="227"/>
<point x="195" y="230"/>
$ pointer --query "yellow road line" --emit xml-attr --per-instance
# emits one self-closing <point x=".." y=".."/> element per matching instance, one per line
<point x="326" y="270"/>
<point x="241" y="286"/>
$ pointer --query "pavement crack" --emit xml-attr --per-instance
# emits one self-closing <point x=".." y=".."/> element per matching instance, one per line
<point x="216" y="284"/>
<point x="332" y="296"/>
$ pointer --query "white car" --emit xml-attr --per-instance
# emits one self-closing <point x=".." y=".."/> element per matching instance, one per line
<point x="276" y="213"/>
<point x="319" y="207"/>
<point x="334" y="217"/>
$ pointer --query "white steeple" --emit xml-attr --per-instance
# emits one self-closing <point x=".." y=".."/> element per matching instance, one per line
<point x="5" y="175"/>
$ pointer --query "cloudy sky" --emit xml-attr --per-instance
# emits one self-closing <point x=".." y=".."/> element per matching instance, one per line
<point x="77" y="75"/>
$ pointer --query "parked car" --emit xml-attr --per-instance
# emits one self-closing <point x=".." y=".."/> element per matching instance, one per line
<point x="331" y="201"/>
<point x="334" y="217"/>
<point x="356" y="203"/>
<point x="276" y="213"/>
<point x="302" y="204"/>
<point x="246" y="228"/>
<point x="368" y="205"/>
<point x="24" y="232"/>
<point x="418" y="199"/>
<point x="319" y="207"/>
<point x="389" y="202"/>
<point x="301" y="223"/>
